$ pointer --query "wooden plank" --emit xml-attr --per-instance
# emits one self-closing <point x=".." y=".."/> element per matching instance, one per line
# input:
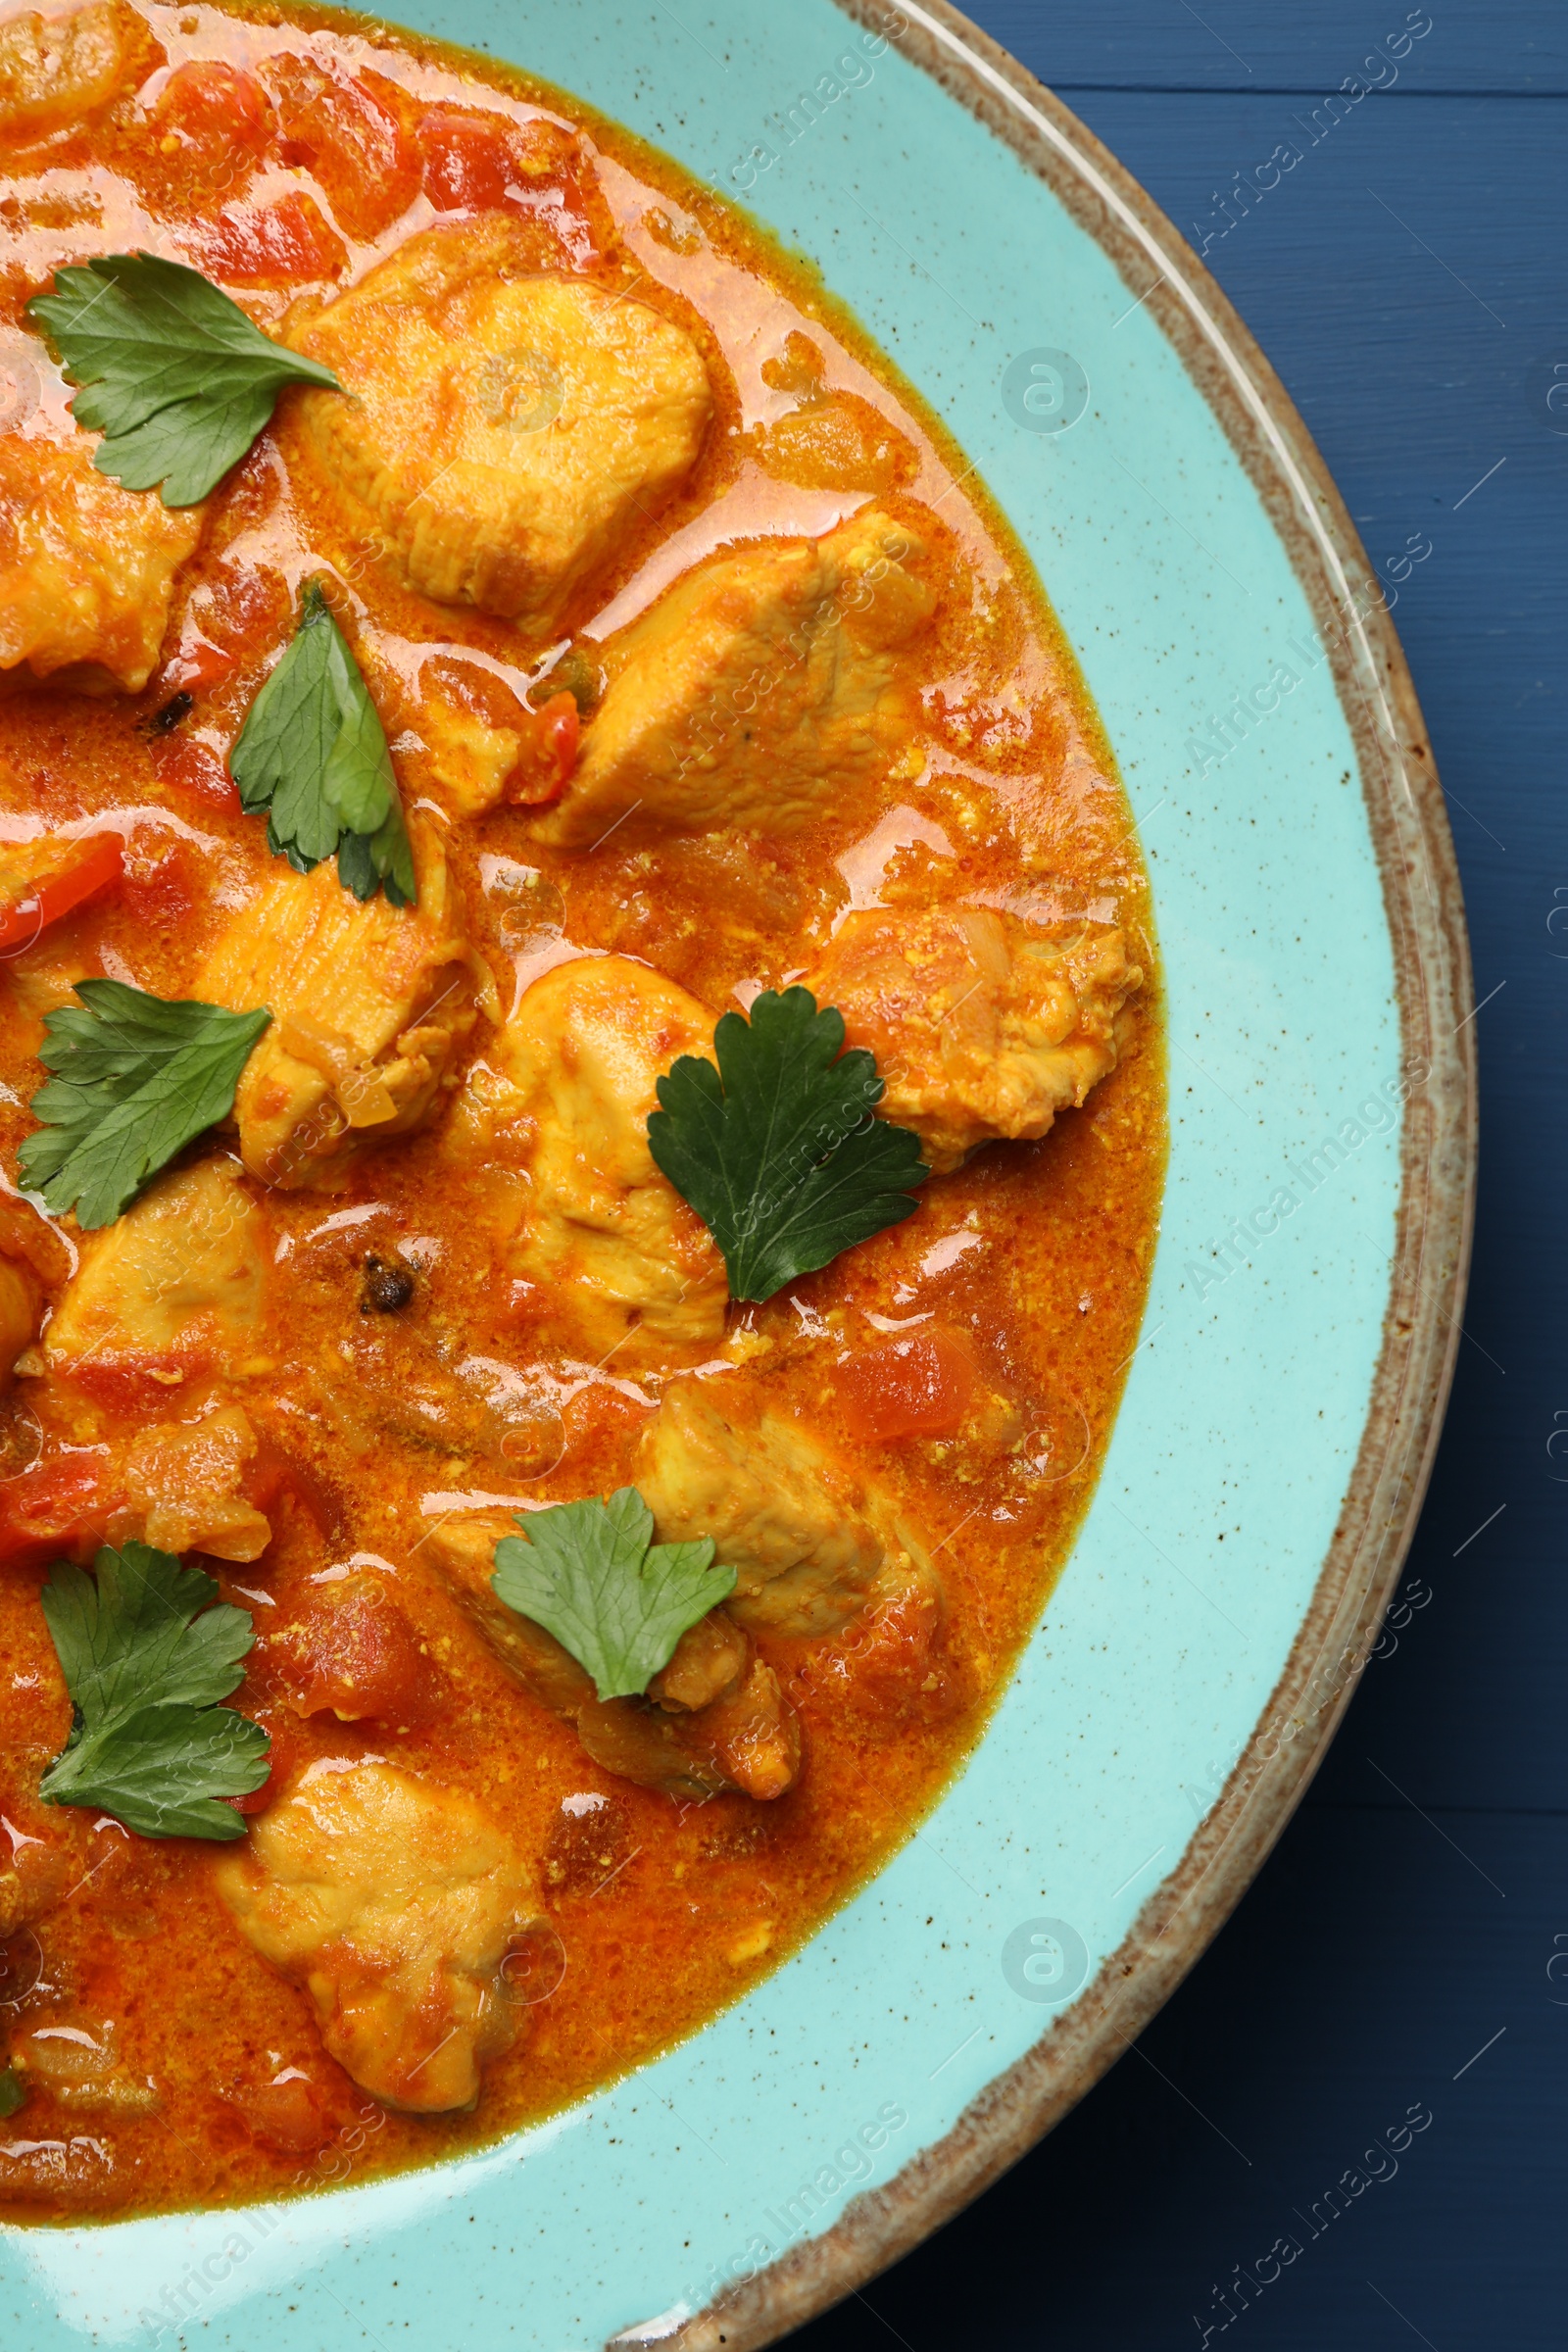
<point x="1476" y="45"/>
<point x="1417" y="348"/>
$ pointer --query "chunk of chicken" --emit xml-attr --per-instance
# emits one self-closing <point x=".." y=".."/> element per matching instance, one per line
<point x="812" y="1541"/>
<point x="172" y="1289"/>
<point x="617" y="1257"/>
<point x="369" y="1002"/>
<point x="19" y="1316"/>
<point x="185" y="1488"/>
<point x="86" y="568"/>
<point x="757" y="690"/>
<point x="468" y="758"/>
<point x="714" y="1718"/>
<point x="981" y="1025"/>
<point x="392" y="1901"/>
<point x="57" y="70"/>
<point x="506" y="429"/>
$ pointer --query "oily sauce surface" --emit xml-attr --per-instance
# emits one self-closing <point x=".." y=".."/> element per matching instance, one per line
<point x="658" y="1913"/>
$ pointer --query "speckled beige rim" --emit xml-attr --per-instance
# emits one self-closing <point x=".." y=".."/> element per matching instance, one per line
<point x="1421" y="1326"/>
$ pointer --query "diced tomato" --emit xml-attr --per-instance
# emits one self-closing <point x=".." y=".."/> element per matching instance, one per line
<point x="353" y="1651"/>
<point x="287" y="2113"/>
<point x="467" y="160"/>
<point x="210" y="124"/>
<point x="475" y="162"/>
<point x="58" y="1505"/>
<point x="161" y="889"/>
<point x="271" y="244"/>
<point x="549" y="754"/>
<point x="918" y="1385"/>
<point x="196" y="666"/>
<point x="193" y="766"/>
<point x="596" y="1422"/>
<point x="890" y="1662"/>
<point x="347" y="130"/>
<point x="215" y="102"/>
<point x="239" y="609"/>
<point x="43" y="879"/>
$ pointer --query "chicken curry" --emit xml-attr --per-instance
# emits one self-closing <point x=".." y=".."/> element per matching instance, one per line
<point x="582" y="1111"/>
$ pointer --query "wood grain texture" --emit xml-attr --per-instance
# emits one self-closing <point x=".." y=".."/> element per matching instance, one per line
<point x="1476" y="45"/>
<point x="1411" y="1909"/>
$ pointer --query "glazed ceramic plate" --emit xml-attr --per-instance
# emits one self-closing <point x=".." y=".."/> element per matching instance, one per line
<point x="1284" y="1401"/>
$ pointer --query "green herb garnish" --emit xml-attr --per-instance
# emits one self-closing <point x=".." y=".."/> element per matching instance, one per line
<point x="312" y="753"/>
<point x="591" y="1574"/>
<point x="136" y="1078"/>
<point x="146" y="1661"/>
<point x="777" y="1150"/>
<point x="174" y="375"/>
<point x="13" y="2090"/>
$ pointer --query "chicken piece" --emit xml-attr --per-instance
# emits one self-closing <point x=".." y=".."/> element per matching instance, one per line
<point x="756" y="692"/>
<point x="392" y="1901"/>
<point x="981" y="1025"/>
<point x="506" y="429"/>
<point x="86" y="568"/>
<point x="55" y="72"/>
<point x="811" y="1541"/>
<point x="174" y="1287"/>
<point x="369" y="1002"/>
<point x="466" y="757"/>
<point x="714" y="1718"/>
<point x="185" y="1488"/>
<point x="19" y="1316"/>
<point x="613" y="1248"/>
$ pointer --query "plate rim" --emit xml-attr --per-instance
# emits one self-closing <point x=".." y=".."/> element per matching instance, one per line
<point x="1424" y="907"/>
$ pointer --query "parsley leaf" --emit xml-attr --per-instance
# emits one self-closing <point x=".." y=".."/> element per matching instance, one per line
<point x="591" y="1574"/>
<point x="13" y="2090"/>
<point x="138" y="1077"/>
<point x="777" y="1149"/>
<point x="312" y="753"/>
<point x="146" y="1661"/>
<point x="175" y="376"/>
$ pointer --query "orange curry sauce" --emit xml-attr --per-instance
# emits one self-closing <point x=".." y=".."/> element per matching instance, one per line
<point x="205" y="2079"/>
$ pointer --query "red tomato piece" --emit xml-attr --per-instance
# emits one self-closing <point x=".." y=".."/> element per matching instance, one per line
<point x="890" y="1663"/>
<point x="43" y="879"/>
<point x="210" y="124"/>
<point x="209" y="100"/>
<point x="287" y="2113"/>
<point x="353" y="1651"/>
<point x="271" y="244"/>
<point x="162" y="890"/>
<point x="352" y="139"/>
<point x="476" y="162"/>
<point x="196" y="666"/>
<point x="920" y="1386"/>
<point x="59" y="1505"/>
<point x="192" y="766"/>
<point x="466" y="158"/>
<point x="549" y="754"/>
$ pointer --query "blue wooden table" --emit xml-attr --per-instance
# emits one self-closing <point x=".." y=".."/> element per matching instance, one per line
<point x="1405" y="1956"/>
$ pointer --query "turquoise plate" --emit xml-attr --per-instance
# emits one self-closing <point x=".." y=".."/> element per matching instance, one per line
<point x="1284" y="1403"/>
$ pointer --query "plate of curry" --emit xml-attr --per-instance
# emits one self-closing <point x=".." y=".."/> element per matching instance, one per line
<point x="583" y="1108"/>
